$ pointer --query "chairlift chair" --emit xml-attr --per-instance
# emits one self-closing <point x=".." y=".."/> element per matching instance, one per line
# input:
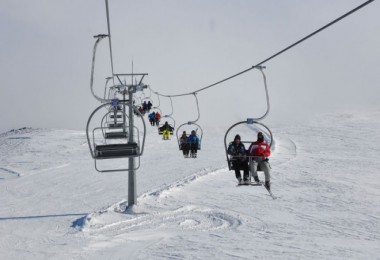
<point x="171" y="123"/>
<point x="256" y="127"/>
<point x="188" y="128"/>
<point x="115" y="131"/>
<point x="171" y="119"/>
<point x="147" y="99"/>
<point x="116" y="147"/>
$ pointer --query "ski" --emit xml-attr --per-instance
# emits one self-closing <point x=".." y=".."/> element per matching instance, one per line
<point x="250" y="184"/>
<point x="261" y="183"/>
<point x="269" y="191"/>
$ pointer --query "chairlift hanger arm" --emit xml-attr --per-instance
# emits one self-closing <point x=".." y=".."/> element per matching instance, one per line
<point x="98" y="39"/>
<point x="150" y="93"/>
<point x="141" y="79"/>
<point x="158" y="97"/>
<point x="109" y="34"/>
<point x="171" y="103"/>
<point x="105" y="87"/>
<point x="196" y="99"/>
<point x="266" y="93"/>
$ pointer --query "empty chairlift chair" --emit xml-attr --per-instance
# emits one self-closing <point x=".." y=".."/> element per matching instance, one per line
<point x="114" y="126"/>
<point x="114" y="145"/>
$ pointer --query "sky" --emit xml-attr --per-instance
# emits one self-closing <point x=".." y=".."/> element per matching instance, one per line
<point x="46" y="51"/>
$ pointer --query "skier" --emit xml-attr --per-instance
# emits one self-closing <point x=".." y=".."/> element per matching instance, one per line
<point x="260" y="151"/>
<point x="239" y="159"/>
<point x="184" y="145"/>
<point x="166" y="129"/>
<point x="152" y="118"/>
<point x="157" y="118"/>
<point x="149" y="105"/>
<point x="145" y="106"/>
<point x="193" y="141"/>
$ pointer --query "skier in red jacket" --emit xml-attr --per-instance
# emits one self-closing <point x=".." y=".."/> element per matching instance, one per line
<point x="260" y="151"/>
<point x="157" y="118"/>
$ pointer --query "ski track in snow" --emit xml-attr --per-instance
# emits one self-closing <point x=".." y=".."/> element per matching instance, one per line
<point x="155" y="213"/>
<point x="328" y="204"/>
<point x="156" y="199"/>
<point x="8" y="174"/>
<point x="158" y="216"/>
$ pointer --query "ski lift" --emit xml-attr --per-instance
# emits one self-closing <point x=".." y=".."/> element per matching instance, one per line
<point x="147" y="99"/>
<point x="118" y="146"/>
<point x="255" y="128"/>
<point x="190" y="126"/>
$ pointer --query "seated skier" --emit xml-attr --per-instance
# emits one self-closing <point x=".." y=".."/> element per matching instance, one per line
<point x="166" y="129"/>
<point x="184" y="145"/>
<point x="194" y="143"/>
<point x="260" y="151"/>
<point x="239" y="159"/>
<point x="157" y="118"/>
<point x="152" y="119"/>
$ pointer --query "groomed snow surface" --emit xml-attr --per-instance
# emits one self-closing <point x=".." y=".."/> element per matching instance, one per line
<point x="54" y="205"/>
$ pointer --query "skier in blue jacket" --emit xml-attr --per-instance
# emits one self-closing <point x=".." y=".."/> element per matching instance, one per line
<point x="152" y="118"/>
<point x="194" y="142"/>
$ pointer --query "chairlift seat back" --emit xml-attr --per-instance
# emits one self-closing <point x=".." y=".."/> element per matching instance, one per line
<point x="117" y="125"/>
<point x="116" y="135"/>
<point x="117" y="116"/>
<point x="116" y="151"/>
<point x="160" y="132"/>
<point x="241" y="168"/>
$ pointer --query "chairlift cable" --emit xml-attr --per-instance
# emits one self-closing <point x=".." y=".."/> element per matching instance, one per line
<point x="258" y="65"/>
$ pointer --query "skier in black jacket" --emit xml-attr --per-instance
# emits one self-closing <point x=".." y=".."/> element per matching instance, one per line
<point x="239" y="159"/>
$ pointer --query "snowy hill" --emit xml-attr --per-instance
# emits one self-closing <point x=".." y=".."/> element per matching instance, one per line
<point x="54" y="205"/>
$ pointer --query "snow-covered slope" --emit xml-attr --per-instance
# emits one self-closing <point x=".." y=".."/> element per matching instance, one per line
<point x="54" y="205"/>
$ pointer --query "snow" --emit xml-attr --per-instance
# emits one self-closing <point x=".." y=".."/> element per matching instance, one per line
<point x="54" y="205"/>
